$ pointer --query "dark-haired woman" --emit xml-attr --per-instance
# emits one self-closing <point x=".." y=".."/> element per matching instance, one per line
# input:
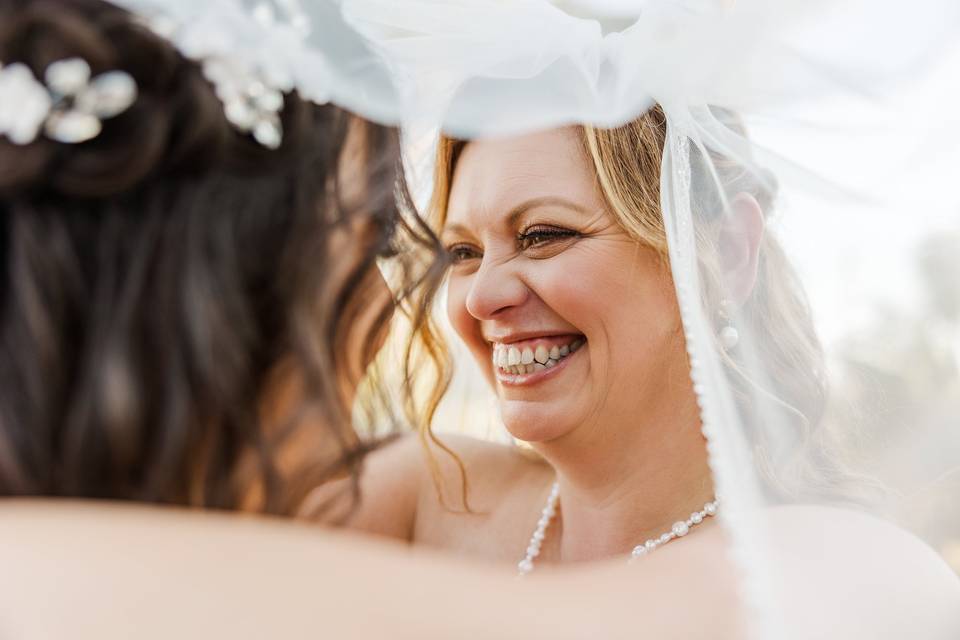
<point x="166" y="274"/>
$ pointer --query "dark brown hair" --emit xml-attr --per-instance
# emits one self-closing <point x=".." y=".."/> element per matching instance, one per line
<point x="154" y="279"/>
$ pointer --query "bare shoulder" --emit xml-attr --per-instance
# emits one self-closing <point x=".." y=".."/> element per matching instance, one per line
<point x="413" y="484"/>
<point x="484" y="499"/>
<point x="412" y="467"/>
<point x="869" y="577"/>
<point x="479" y="470"/>
<point x="382" y="500"/>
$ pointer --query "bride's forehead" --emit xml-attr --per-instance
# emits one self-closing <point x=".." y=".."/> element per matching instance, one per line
<point x="493" y="175"/>
<point x="558" y="147"/>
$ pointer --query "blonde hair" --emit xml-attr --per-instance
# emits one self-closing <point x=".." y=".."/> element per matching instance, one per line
<point x="627" y="162"/>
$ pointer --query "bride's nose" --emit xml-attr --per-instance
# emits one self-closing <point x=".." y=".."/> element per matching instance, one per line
<point x="495" y="289"/>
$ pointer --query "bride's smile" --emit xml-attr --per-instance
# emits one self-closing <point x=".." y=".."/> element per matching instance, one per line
<point x="530" y="360"/>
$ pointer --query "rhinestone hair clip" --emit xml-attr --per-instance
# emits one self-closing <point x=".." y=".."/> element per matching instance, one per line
<point x="69" y="106"/>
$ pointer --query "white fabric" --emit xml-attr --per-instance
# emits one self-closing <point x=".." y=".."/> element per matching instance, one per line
<point x="294" y="45"/>
<point x="525" y="64"/>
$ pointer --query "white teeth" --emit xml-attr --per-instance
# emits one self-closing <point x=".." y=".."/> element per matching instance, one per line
<point x="541" y="355"/>
<point x="526" y="361"/>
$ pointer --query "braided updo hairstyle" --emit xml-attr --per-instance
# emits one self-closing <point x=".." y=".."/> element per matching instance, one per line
<point x="153" y="278"/>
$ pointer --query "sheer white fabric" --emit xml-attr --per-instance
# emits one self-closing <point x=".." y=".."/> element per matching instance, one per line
<point x="496" y="67"/>
<point x="305" y="46"/>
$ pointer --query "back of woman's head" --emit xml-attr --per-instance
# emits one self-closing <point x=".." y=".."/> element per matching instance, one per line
<point x="156" y="278"/>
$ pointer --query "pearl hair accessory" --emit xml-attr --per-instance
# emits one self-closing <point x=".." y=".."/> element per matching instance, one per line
<point x="249" y="101"/>
<point x="679" y="529"/>
<point x="70" y="106"/>
<point x="246" y="51"/>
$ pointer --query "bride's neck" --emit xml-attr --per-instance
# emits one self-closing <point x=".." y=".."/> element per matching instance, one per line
<point x="622" y="486"/>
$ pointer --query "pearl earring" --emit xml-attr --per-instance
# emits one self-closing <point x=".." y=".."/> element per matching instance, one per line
<point x="729" y="336"/>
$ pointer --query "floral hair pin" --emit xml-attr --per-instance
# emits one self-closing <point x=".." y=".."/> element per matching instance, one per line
<point x="69" y="106"/>
<point x="249" y="104"/>
<point x="252" y="101"/>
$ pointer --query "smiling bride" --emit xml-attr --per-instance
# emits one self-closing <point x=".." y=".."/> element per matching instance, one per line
<point x="560" y="285"/>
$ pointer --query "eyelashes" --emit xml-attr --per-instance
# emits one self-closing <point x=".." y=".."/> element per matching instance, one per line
<point x="461" y="252"/>
<point x="539" y="236"/>
<point x="537" y="241"/>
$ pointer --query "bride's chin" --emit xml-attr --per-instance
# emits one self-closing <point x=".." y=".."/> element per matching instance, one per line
<point x="532" y="424"/>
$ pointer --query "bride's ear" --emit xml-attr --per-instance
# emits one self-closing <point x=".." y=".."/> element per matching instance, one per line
<point x="740" y="235"/>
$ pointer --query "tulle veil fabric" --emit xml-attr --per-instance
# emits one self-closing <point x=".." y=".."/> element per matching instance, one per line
<point x="304" y="45"/>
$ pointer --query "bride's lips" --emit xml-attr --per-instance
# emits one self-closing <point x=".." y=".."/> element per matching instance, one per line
<point x="529" y="362"/>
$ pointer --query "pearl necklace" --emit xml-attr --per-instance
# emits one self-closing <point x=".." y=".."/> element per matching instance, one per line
<point x="679" y="529"/>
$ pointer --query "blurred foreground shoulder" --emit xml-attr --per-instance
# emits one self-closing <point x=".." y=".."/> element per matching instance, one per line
<point x="863" y="576"/>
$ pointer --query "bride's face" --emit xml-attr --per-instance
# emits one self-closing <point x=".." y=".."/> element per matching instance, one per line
<point x="573" y="321"/>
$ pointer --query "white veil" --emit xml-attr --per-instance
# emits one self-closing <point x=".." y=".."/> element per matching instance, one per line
<point x="836" y="118"/>
<point x="291" y="44"/>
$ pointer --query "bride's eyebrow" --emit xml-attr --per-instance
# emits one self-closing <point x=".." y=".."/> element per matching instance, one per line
<point x="548" y="201"/>
<point x="454" y="232"/>
<point x="458" y="230"/>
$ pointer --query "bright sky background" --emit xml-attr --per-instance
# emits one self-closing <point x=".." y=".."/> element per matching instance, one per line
<point x="851" y="254"/>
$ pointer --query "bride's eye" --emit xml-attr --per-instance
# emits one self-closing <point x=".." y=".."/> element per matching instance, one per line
<point x="537" y="237"/>
<point x="462" y="252"/>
